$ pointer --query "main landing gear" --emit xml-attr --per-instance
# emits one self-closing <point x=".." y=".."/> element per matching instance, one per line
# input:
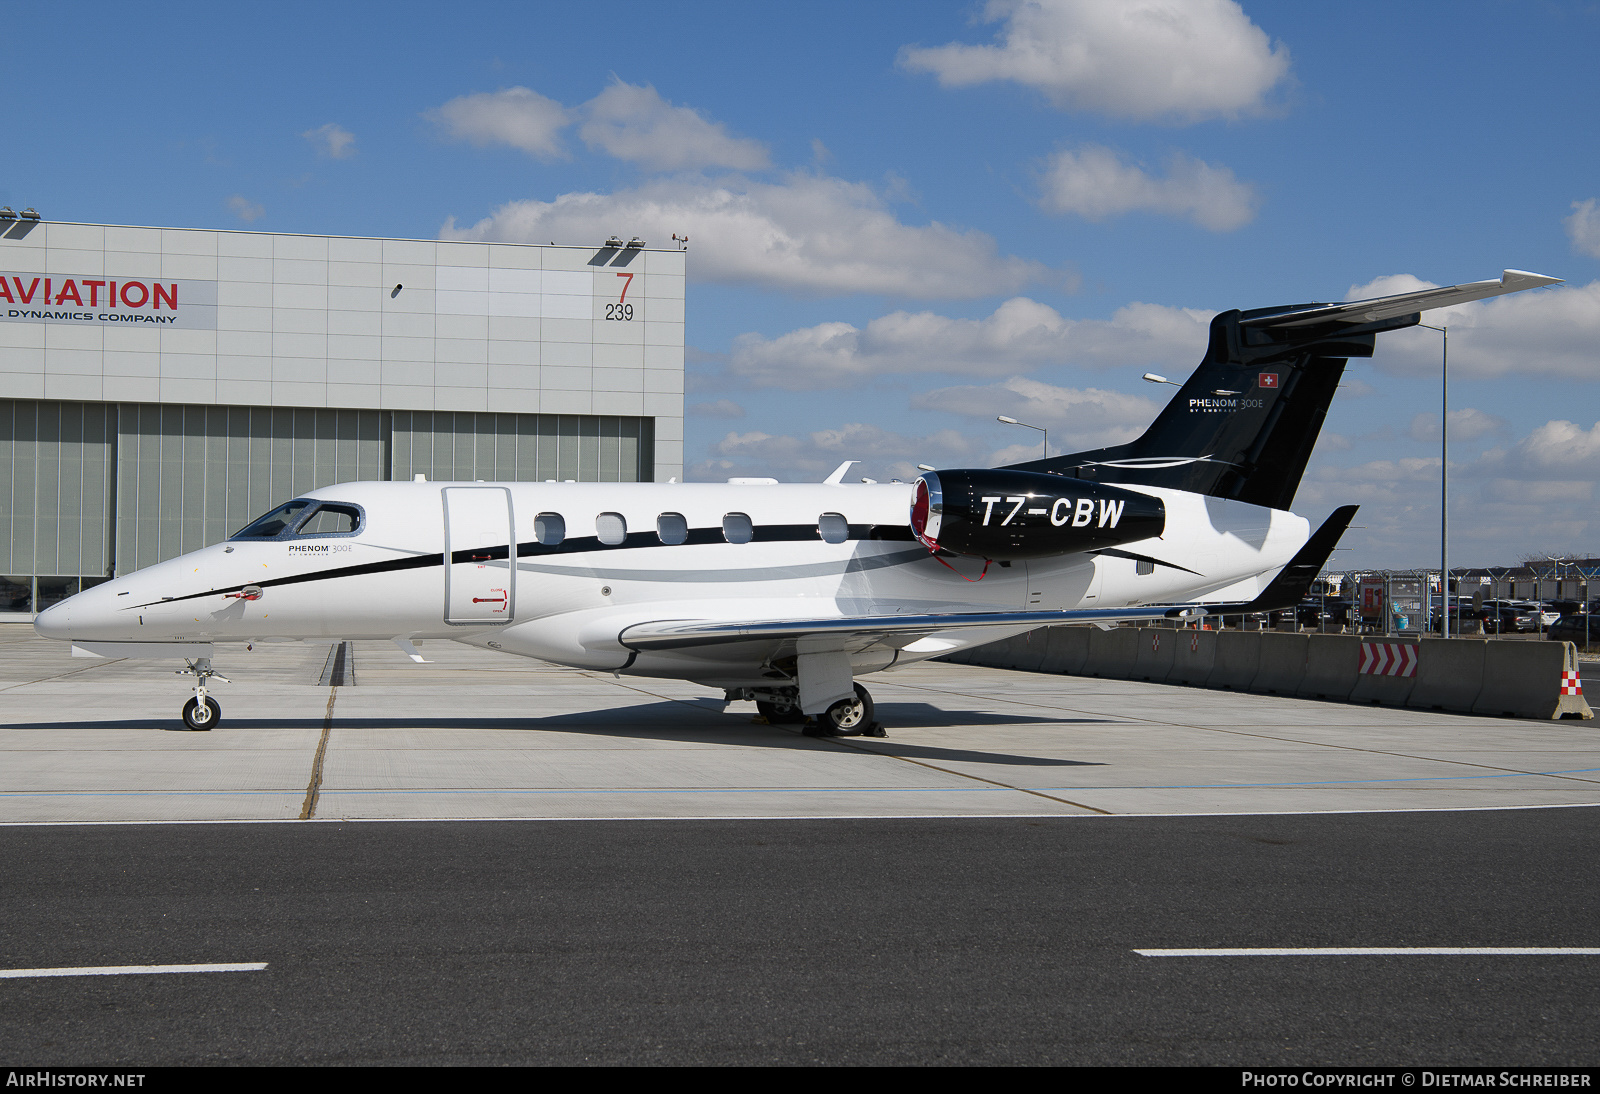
<point x="201" y="712"/>
<point x="851" y="717"/>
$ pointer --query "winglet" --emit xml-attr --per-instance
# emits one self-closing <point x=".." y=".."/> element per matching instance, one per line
<point x="837" y="478"/>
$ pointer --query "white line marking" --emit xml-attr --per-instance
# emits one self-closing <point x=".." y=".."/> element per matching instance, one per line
<point x="128" y="970"/>
<point x="1382" y="951"/>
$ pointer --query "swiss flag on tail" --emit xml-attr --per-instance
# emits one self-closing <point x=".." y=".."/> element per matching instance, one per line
<point x="1267" y="379"/>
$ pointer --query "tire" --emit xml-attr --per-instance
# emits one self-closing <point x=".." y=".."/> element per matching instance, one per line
<point x="197" y="717"/>
<point x="779" y="716"/>
<point x="849" y="717"/>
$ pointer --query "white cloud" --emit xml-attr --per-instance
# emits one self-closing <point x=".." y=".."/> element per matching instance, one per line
<point x="1552" y="332"/>
<point x="1077" y="418"/>
<point x="625" y="121"/>
<point x="1583" y="227"/>
<point x="1465" y="425"/>
<point x="245" y="209"/>
<point x="806" y="233"/>
<point x="1559" y="450"/>
<point x="636" y="123"/>
<point x="1538" y="490"/>
<point x="1095" y="183"/>
<point x="722" y="408"/>
<point x="515" y="116"/>
<point x="1020" y="335"/>
<point x="810" y="457"/>
<point x="333" y="141"/>
<point x="1177" y="60"/>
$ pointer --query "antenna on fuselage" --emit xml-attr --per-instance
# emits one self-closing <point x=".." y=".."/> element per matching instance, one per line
<point x="837" y="478"/>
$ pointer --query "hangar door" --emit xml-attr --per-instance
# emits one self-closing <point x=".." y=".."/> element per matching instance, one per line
<point x="480" y="554"/>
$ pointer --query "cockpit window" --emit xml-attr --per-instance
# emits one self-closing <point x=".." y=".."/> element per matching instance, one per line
<point x="275" y="523"/>
<point x="331" y="520"/>
<point x="313" y="518"/>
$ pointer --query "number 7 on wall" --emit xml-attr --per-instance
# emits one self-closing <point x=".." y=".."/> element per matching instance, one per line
<point x="624" y="297"/>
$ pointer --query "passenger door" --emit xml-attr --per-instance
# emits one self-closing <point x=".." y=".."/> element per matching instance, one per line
<point x="480" y="556"/>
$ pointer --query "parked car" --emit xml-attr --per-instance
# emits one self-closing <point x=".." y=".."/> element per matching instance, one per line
<point x="1506" y="617"/>
<point x="1545" y="610"/>
<point x="1570" y="628"/>
<point x="1324" y="613"/>
<point x="1464" y="618"/>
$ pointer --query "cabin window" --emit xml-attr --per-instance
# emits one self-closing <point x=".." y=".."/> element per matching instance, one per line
<point x="736" y="528"/>
<point x="549" y="529"/>
<point x="275" y="523"/>
<point x="331" y="520"/>
<point x="833" y="528"/>
<point x="672" y="529"/>
<point x="1144" y="567"/>
<point x="611" y="528"/>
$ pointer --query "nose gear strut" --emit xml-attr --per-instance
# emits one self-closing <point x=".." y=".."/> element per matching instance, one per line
<point x="201" y="712"/>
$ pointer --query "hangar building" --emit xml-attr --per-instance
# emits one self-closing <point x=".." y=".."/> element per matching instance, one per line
<point x="161" y="387"/>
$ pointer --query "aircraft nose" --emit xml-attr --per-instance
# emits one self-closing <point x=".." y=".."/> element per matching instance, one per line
<point x="55" y="621"/>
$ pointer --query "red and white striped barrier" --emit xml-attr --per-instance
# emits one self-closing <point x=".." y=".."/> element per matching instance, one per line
<point x="1389" y="658"/>
<point x="1571" y="682"/>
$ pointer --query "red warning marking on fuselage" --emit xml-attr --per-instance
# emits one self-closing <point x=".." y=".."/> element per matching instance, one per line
<point x="500" y="600"/>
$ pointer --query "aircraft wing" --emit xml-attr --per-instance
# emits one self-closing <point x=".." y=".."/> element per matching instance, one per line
<point x="893" y="630"/>
<point x="1284" y="591"/>
<point x="1392" y="307"/>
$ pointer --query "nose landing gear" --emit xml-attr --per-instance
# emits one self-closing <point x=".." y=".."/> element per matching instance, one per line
<point x="202" y="712"/>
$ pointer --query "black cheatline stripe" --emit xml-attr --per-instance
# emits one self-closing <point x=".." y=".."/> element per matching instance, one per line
<point x="416" y="562"/>
<point x="577" y="545"/>
<point x="1114" y="553"/>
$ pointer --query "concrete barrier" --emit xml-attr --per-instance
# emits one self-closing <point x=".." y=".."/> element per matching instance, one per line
<point x="1282" y="663"/>
<point x="1111" y="653"/>
<point x="1153" y="660"/>
<point x="1386" y="671"/>
<point x="1023" y="652"/>
<point x="1331" y="664"/>
<point x="1531" y="680"/>
<point x="1477" y="676"/>
<point x="1449" y="674"/>
<point x="1030" y="649"/>
<point x="1237" y="659"/>
<point x="1066" y="650"/>
<point x="1193" y="658"/>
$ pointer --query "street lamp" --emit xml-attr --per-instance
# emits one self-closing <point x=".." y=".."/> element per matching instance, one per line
<point x="1444" y="482"/>
<point x="1025" y="425"/>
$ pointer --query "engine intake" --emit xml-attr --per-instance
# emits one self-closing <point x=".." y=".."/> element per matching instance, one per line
<point x="1008" y="515"/>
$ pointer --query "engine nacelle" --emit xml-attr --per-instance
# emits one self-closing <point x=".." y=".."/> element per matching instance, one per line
<point x="1008" y="515"/>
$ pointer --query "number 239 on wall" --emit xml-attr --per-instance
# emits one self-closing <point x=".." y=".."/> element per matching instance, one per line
<point x="622" y="310"/>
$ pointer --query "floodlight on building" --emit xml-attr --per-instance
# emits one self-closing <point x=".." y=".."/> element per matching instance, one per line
<point x="614" y="241"/>
<point x="29" y="214"/>
<point x="6" y="213"/>
<point x="635" y="243"/>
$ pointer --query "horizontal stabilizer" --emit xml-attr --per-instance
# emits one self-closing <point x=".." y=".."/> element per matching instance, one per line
<point x="1380" y="308"/>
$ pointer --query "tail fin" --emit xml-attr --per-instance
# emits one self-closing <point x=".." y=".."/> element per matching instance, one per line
<point x="1244" y="424"/>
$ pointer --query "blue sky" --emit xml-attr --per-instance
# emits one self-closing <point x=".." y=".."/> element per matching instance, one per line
<point x="908" y="218"/>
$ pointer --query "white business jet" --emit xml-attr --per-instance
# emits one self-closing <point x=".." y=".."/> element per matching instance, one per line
<point x="785" y="593"/>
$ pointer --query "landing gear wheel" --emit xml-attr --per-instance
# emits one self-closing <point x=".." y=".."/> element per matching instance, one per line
<point x="197" y="717"/>
<point x="779" y="716"/>
<point x="849" y="717"/>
